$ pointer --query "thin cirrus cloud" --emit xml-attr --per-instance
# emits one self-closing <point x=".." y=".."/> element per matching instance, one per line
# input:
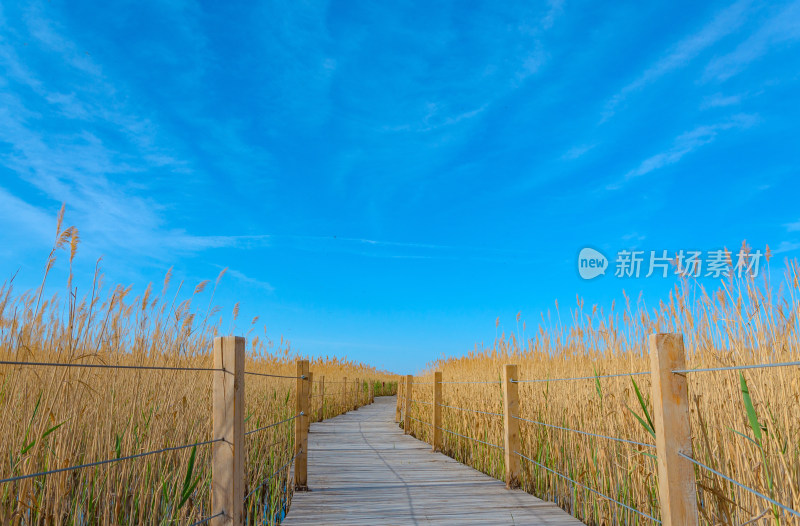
<point x="680" y="54"/>
<point x="58" y="142"/>
<point x="685" y="144"/>
<point x="782" y="28"/>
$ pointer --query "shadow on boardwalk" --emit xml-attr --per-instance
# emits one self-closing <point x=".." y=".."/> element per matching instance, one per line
<point x="362" y="469"/>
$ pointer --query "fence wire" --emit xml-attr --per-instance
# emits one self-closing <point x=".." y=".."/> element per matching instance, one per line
<point x="739" y="484"/>
<point x="485" y="382"/>
<point x="643" y="514"/>
<point x="472" y="410"/>
<point x="109" y="366"/>
<point x="203" y="521"/>
<point x="253" y="373"/>
<point x="470" y="438"/>
<point x="107" y="461"/>
<point x="586" y="433"/>
<point x="301" y="413"/>
<point x="738" y="367"/>
<point x="540" y="380"/>
<point x="421" y="421"/>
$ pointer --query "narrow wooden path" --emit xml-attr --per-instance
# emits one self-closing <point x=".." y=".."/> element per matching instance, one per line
<point x="362" y="469"/>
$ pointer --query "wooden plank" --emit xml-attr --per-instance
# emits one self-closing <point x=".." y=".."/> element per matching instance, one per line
<point x="227" y="455"/>
<point x="365" y="471"/>
<point x="676" y="482"/>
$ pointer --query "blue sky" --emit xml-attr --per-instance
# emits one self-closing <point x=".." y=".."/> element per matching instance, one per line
<point x="385" y="179"/>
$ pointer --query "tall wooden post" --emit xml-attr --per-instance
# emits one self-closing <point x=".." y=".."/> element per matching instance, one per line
<point x="311" y="412"/>
<point x="399" y="398"/>
<point x="357" y="401"/>
<point x="322" y="398"/>
<point x="407" y="408"/>
<point x="511" y="424"/>
<point x="227" y="455"/>
<point x="371" y="392"/>
<point x="301" y="424"/>
<point x="676" y="482"/>
<point x="437" y="411"/>
<point x="344" y="394"/>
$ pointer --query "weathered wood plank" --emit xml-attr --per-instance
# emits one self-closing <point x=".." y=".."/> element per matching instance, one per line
<point x="362" y="469"/>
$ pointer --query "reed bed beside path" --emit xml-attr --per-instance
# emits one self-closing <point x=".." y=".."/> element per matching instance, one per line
<point x="585" y="414"/>
<point x="122" y="385"/>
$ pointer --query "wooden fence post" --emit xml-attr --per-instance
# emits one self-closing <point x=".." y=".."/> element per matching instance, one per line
<point x="301" y="424"/>
<point x="676" y="482"/>
<point x="407" y="419"/>
<point x="397" y="409"/>
<point x="311" y="412"/>
<point x="371" y="392"/>
<point x="322" y="398"/>
<point x="227" y="455"/>
<point x="344" y="394"/>
<point x="357" y="393"/>
<point x="437" y="411"/>
<point x="511" y="424"/>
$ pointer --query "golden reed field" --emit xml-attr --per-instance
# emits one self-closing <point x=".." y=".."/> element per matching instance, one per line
<point x="745" y="424"/>
<point x="57" y="417"/>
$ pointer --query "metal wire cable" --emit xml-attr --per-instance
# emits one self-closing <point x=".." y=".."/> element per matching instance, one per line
<point x="108" y="366"/>
<point x="470" y="438"/>
<point x="739" y="367"/>
<point x="275" y="424"/>
<point x="303" y="377"/>
<point x="625" y="440"/>
<point x="201" y="521"/>
<point x="107" y="461"/>
<point x="751" y="490"/>
<point x="273" y="474"/>
<point x="473" y="410"/>
<point x="421" y="402"/>
<point x="643" y="514"/>
<point x="578" y="378"/>
<point x="421" y="421"/>
<point x="489" y="382"/>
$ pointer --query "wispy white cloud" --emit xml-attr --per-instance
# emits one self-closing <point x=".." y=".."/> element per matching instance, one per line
<point x="786" y="246"/>
<point x="577" y="151"/>
<point x="51" y="141"/>
<point x="679" y="55"/>
<point x="23" y="218"/>
<point x="782" y="28"/>
<point x="793" y="227"/>
<point x="685" y="144"/>
<point x="719" y="100"/>
<point x="253" y="282"/>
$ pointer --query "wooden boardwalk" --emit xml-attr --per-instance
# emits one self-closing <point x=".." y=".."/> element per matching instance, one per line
<point x="362" y="469"/>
